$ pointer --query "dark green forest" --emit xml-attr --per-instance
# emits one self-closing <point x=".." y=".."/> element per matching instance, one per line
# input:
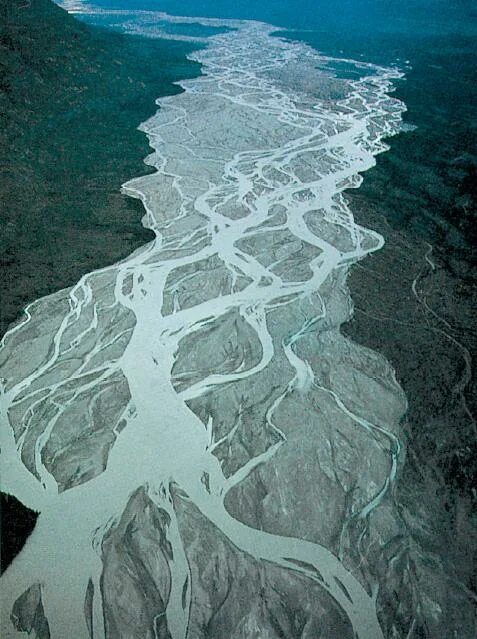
<point x="71" y="96"/>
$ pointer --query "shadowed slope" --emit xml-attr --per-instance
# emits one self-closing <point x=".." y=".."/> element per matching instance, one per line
<point x="70" y="99"/>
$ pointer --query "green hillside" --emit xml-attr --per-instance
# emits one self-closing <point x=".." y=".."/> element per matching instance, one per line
<point x="71" y="97"/>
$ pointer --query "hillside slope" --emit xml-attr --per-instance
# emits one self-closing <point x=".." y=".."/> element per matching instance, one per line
<point x="71" y="97"/>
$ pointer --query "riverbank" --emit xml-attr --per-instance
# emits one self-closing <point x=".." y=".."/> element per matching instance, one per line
<point x="414" y="299"/>
<point x="71" y="98"/>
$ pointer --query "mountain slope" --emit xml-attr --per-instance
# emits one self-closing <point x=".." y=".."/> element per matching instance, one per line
<point x="71" y="97"/>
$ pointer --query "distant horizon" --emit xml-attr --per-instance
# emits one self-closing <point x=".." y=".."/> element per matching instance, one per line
<point x="426" y="17"/>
